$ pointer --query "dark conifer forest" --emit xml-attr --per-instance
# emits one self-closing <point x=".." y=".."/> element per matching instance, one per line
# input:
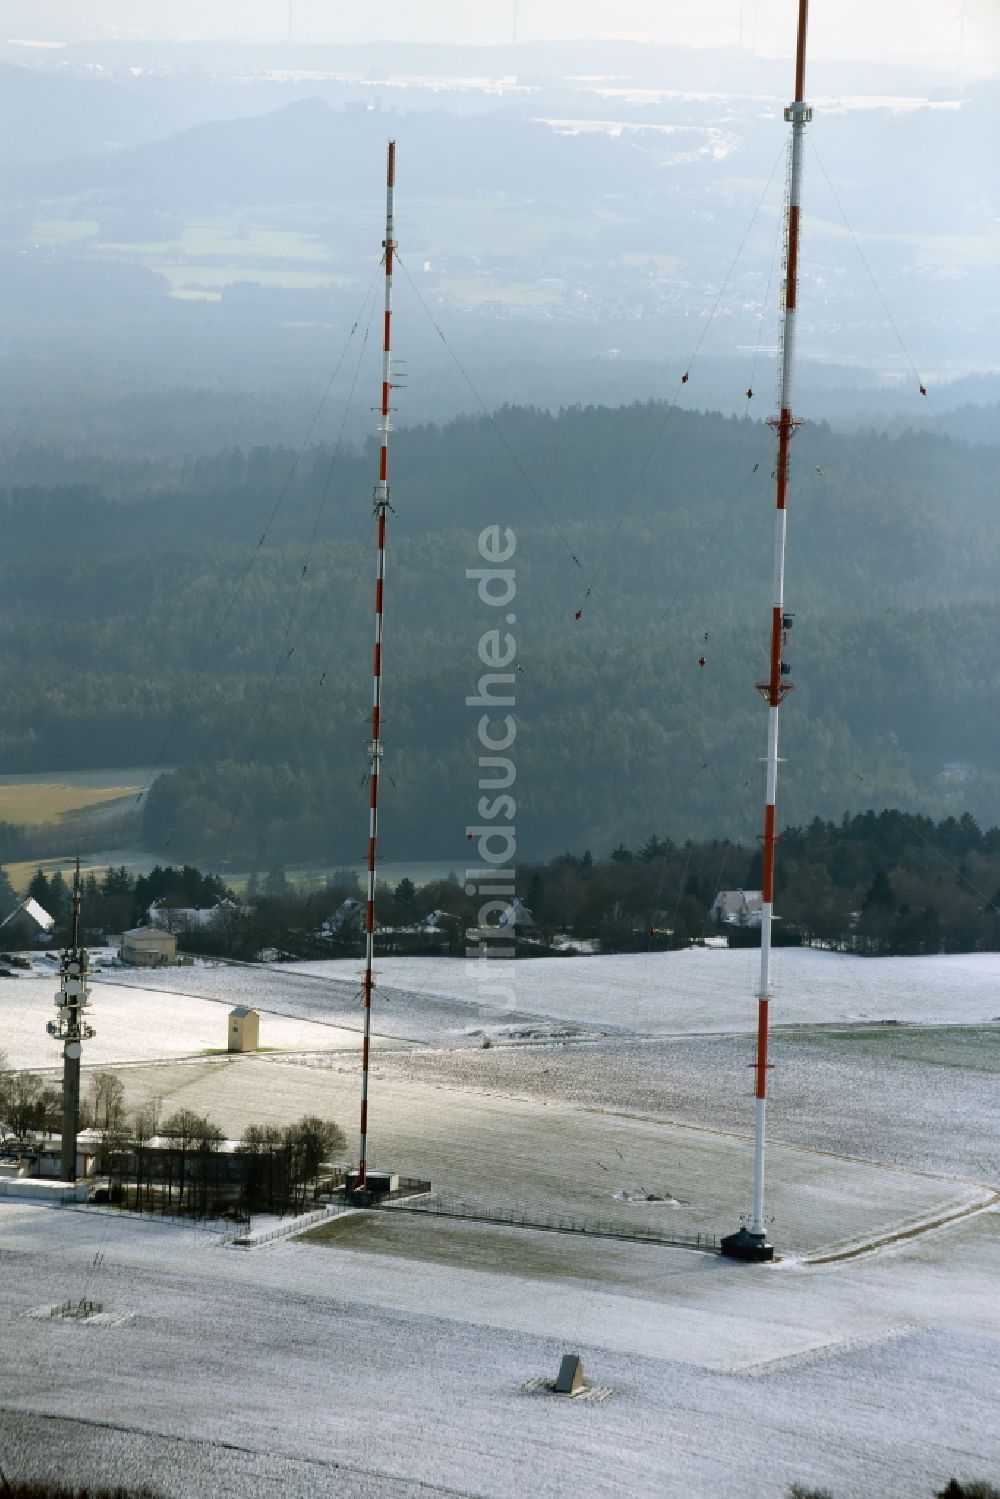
<point x="174" y="614"/>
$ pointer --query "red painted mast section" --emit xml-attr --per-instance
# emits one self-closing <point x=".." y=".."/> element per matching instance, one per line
<point x="381" y="511"/>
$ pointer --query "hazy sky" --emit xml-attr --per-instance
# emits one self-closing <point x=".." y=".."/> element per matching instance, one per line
<point x="914" y="31"/>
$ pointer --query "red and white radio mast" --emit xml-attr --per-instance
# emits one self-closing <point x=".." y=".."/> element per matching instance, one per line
<point x="381" y="511"/>
<point x="750" y="1242"/>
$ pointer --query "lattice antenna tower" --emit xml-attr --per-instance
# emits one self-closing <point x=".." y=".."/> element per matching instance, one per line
<point x="72" y="1029"/>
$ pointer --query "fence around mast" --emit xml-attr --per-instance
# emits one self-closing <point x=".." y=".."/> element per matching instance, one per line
<point x="514" y="1217"/>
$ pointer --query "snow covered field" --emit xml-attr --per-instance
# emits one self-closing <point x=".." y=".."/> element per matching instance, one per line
<point x="300" y="1369"/>
<point x="926" y="1099"/>
<point x="546" y="1158"/>
<point x="710" y="989"/>
<point x="136" y="1024"/>
<point x="390" y="1360"/>
<point x="698" y="990"/>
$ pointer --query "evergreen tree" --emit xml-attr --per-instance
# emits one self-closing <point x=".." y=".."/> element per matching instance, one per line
<point x="8" y="895"/>
<point x="879" y="895"/>
<point x="405" y="895"/>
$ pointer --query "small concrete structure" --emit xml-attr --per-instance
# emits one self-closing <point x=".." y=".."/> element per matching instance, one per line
<point x="749" y="1247"/>
<point x="148" y="947"/>
<point x="376" y="1182"/>
<point x="34" y="1189"/>
<point x="48" y="1157"/>
<point x="244" y="1029"/>
<point x="570" y="1378"/>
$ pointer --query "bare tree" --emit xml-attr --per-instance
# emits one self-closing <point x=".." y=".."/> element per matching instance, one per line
<point x="106" y="1113"/>
<point x="191" y="1133"/>
<point x="27" y="1103"/>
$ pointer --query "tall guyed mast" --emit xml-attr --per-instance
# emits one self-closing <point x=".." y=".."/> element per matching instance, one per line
<point x="751" y="1242"/>
<point x="381" y="512"/>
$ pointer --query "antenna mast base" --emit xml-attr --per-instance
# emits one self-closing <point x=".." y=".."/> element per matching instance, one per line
<point x="749" y="1247"/>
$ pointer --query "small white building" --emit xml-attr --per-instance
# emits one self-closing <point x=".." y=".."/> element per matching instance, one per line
<point x="736" y="908"/>
<point x="244" y="1029"/>
<point x="88" y="1155"/>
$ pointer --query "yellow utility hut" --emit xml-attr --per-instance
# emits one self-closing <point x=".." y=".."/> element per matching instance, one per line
<point x="244" y="1029"/>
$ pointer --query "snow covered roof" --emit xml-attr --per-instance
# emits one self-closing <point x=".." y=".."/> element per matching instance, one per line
<point x="516" y="914"/>
<point x="161" y="913"/>
<point x="30" y="907"/>
<point x="736" y="905"/>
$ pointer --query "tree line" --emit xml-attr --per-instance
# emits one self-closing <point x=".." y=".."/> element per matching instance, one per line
<point x="877" y="882"/>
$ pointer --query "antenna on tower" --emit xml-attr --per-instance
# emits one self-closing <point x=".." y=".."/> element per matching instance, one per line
<point x="750" y="1242"/>
<point x="382" y="508"/>
<point x="72" y="1029"/>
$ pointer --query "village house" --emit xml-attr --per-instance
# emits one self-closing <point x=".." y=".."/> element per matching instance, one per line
<point x="148" y="947"/>
<point x="736" y="908"/>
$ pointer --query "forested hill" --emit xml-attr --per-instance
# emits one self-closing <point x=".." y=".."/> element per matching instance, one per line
<point x="125" y="641"/>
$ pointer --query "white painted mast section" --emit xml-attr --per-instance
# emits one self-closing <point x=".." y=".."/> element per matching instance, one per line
<point x="381" y="511"/>
<point x="775" y="688"/>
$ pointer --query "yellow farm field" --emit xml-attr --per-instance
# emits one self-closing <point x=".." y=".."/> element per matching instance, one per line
<point x="32" y="805"/>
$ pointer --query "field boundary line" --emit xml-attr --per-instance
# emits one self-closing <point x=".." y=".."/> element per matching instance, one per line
<point x="901" y="1236"/>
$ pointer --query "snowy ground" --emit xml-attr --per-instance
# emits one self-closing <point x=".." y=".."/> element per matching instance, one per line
<point x="302" y="1369"/>
<point x="328" y="997"/>
<point x="927" y="1099"/>
<point x="386" y="1356"/>
<point x="136" y="1024"/>
<point x="697" y="990"/>
<point x="549" y="1159"/>
<point x="711" y="989"/>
